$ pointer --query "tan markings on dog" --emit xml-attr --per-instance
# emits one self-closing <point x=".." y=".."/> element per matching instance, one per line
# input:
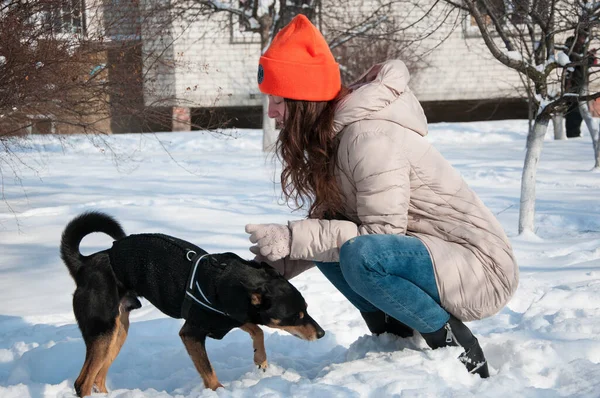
<point x="255" y="299"/>
<point x="258" y="343"/>
<point x="197" y="351"/>
<point x="95" y="357"/>
<point x="301" y="315"/>
<point x="305" y="332"/>
<point x="114" y="349"/>
<point x="275" y="323"/>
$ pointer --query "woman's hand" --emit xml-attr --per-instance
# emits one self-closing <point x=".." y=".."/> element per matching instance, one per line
<point x="272" y="240"/>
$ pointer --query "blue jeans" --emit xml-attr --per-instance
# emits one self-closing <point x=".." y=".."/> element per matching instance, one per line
<point x="391" y="273"/>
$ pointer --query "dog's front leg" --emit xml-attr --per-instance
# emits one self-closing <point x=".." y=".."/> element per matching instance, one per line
<point x="258" y="343"/>
<point x="194" y="340"/>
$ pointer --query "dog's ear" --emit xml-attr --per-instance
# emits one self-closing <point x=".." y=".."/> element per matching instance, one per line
<point x="260" y="298"/>
<point x="256" y="299"/>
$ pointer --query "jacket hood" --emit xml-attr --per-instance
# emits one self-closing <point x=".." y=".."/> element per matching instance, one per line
<point x="382" y="93"/>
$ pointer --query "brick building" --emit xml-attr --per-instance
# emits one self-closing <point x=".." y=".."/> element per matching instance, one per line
<point x="203" y="72"/>
<point x="213" y="75"/>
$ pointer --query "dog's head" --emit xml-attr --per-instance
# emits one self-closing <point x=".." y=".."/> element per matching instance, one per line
<point x="280" y="305"/>
<point x="269" y="299"/>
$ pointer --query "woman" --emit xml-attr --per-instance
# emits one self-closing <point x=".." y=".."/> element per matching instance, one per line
<point x="391" y="224"/>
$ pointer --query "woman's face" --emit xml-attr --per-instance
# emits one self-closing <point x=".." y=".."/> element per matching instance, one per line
<point x="276" y="109"/>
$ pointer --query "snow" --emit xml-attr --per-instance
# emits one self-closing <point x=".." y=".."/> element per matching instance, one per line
<point x="562" y="58"/>
<point x="514" y="55"/>
<point x="544" y="102"/>
<point x="545" y="343"/>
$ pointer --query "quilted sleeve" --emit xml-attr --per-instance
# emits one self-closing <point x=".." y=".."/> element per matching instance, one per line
<point x="381" y="174"/>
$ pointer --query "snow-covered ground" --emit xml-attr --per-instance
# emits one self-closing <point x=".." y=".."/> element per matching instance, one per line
<point x="545" y="343"/>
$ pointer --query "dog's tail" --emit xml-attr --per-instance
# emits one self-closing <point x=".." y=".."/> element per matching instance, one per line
<point x="78" y="228"/>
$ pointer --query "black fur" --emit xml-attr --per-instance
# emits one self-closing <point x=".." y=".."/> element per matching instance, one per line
<point x="157" y="267"/>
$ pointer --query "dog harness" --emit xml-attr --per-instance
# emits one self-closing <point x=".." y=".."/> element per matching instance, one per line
<point x="201" y="297"/>
<point x="144" y="260"/>
<point x="194" y="293"/>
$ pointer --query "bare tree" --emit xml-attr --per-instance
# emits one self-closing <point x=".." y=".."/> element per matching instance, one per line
<point x="363" y="33"/>
<point x="524" y="36"/>
<point x="80" y="67"/>
<point x="45" y="68"/>
<point x="558" y="122"/>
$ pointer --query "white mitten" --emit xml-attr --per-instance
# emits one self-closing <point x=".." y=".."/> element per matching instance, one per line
<point x="273" y="240"/>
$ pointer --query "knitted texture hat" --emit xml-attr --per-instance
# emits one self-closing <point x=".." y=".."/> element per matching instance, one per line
<point x="299" y="64"/>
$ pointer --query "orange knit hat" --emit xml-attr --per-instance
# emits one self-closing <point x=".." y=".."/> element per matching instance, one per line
<point x="299" y="64"/>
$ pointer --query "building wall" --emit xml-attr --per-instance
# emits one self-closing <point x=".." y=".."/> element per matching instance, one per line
<point x="222" y="65"/>
<point x="462" y="68"/>
<point x="208" y="68"/>
<point x="215" y="66"/>
<point x="460" y="80"/>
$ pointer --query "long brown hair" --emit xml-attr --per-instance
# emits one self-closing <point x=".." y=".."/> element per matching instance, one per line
<point x="307" y="148"/>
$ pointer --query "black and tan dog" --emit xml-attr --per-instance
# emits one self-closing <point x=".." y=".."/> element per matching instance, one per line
<point x="214" y="293"/>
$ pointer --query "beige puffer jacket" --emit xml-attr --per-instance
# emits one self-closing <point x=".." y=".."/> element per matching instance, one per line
<point x="395" y="182"/>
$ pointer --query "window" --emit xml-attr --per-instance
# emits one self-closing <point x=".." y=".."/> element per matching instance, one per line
<point x="122" y="20"/>
<point x="64" y="16"/>
<point x="241" y="29"/>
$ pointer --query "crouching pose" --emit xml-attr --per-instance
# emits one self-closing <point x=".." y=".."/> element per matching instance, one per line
<point x="390" y="223"/>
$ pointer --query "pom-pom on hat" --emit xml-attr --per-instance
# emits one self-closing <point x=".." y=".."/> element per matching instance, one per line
<point x="299" y="64"/>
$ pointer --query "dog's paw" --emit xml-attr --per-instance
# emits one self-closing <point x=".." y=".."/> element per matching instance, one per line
<point x="263" y="365"/>
<point x="260" y="359"/>
<point x="216" y="384"/>
<point x="97" y="390"/>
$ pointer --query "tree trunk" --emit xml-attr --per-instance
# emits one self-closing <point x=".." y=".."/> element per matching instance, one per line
<point x="589" y="120"/>
<point x="597" y="153"/>
<point x="531" y="108"/>
<point x="596" y="143"/>
<point x="535" y="141"/>
<point x="269" y="130"/>
<point x="268" y="124"/>
<point x="584" y="110"/>
<point x="558" y="121"/>
<point x="593" y="129"/>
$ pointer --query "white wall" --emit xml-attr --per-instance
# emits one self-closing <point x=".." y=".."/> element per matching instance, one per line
<point x="209" y="69"/>
<point x="462" y="68"/>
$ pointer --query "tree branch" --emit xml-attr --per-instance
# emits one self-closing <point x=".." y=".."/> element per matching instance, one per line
<point x="518" y="65"/>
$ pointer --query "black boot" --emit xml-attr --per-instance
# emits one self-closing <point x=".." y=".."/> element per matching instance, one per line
<point x="379" y="322"/>
<point x="456" y="333"/>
